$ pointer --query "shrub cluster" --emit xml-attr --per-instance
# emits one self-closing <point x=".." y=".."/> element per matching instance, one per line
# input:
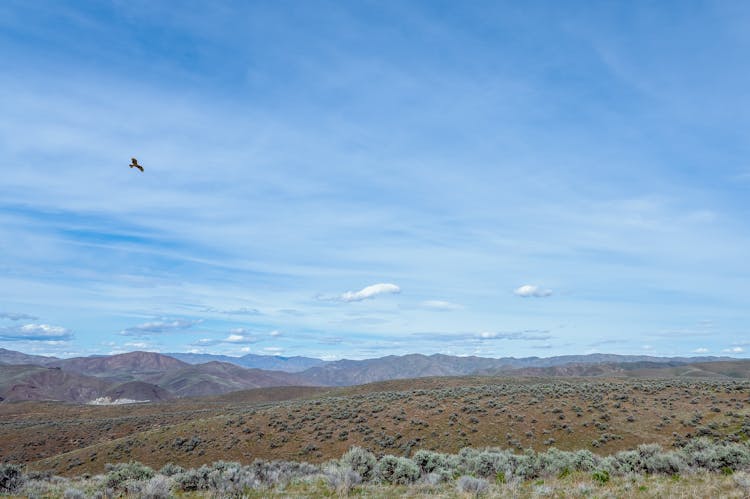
<point x="473" y="470"/>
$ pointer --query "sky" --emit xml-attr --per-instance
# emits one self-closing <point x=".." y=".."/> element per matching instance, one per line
<point x="367" y="178"/>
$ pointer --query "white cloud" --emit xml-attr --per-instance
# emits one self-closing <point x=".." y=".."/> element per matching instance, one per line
<point x="240" y="338"/>
<point x="440" y="305"/>
<point x="138" y="344"/>
<point x="330" y="340"/>
<point x="15" y="316"/>
<point x="158" y="327"/>
<point x="35" y="332"/>
<point x="700" y="350"/>
<point x="234" y="311"/>
<point x="530" y="290"/>
<point x="275" y="332"/>
<point x="237" y="336"/>
<point x="370" y="292"/>
<point x="531" y="335"/>
<point x="733" y="350"/>
<point x="273" y="350"/>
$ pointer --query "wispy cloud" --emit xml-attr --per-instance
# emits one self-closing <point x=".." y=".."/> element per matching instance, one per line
<point x="370" y="292"/>
<point x="35" y="332"/>
<point x="530" y="290"/>
<point x="159" y="327"/>
<point x="701" y="350"/>
<point x="606" y="342"/>
<point x="140" y="345"/>
<point x="364" y="293"/>
<point x="330" y="340"/>
<point x="439" y="305"/>
<point x="234" y="311"/>
<point x="237" y="336"/>
<point x="528" y="335"/>
<point x="381" y="199"/>
<point x="734" y="350"/>
<point x="14" y="316"/>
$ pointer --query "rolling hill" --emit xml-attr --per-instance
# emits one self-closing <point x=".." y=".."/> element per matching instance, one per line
<point x="602" y="415"/>
<point x="354" y="372"/>
<point x="215" y="378"/>
<point x="26" y="382"/>
<point x="253" y="361"/>
<point x="126" y="366"/>
<point x="153" y="376"/>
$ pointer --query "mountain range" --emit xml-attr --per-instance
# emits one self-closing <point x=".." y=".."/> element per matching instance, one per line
<point x="149" y="376"/>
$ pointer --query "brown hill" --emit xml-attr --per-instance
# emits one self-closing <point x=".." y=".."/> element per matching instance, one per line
<point x="733" y="369"/>
<point x="394" y="417"/>
<point x="138" y="390"/>
<point x="23" y="382"/>
<point x="215" y="378"/>
<point x="126" y="366"/>
<point x="357" y="372"/>
<point x="13" y="357"/>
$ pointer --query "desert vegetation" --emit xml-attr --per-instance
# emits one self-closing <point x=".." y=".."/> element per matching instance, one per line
<point x="398" y="418"/>
<point x="700" y="467"/>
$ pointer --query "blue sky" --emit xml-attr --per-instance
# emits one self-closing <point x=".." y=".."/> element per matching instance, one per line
<point x="357" y="179"/>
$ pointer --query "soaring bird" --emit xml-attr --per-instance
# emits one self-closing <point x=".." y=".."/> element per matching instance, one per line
<point x="134" y="164"/>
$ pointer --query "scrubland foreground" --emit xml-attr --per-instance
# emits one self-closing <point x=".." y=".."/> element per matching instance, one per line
<point x="419" y="437"/>
<point x="700" y="468"/>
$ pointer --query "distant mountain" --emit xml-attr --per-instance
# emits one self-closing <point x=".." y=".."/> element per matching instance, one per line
<point x="130" y="366"/>
<point x="13" y="357"/>
<point x="215" y="378"/>
<point x="138" y="390"/>
<point x="134" y="375"/>
<point x="269" y="362"/>
<point x="736" y="369"/>
<point x="26" y="382"/>
<point x="356" y="372"/>
<point x="598" y="358"/>
<point x="154" y="376"/>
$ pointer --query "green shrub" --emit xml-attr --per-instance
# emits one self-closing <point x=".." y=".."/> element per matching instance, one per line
<point x="429" y="461"/>
<point x="120" y="473"/>
<point x="362" y="461"/>
<point x="601" y="476"/>
<point x="398" y="470"/>
<point x="171" y="469"/>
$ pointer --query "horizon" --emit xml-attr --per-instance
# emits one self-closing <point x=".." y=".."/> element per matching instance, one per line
<point x="168" y="354"/>
<point x="360" y="180"/>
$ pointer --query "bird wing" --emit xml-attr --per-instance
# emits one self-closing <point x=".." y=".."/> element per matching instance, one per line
<point x="134" y="161"/>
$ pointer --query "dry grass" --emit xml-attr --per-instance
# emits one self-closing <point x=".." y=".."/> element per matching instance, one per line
<point x="395" y="417"/>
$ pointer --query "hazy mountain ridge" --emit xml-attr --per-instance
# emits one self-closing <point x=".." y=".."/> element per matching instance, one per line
<point x="28" y="382"/>
<point x="214" y="378"/>
<point x="13" y="357"/>
<point x="126" y="367"/>
<point x="354" y="372"/>
<point x="268" y="362"/>
<point x="134" y="375"/>
<point x="154" y="376"/>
